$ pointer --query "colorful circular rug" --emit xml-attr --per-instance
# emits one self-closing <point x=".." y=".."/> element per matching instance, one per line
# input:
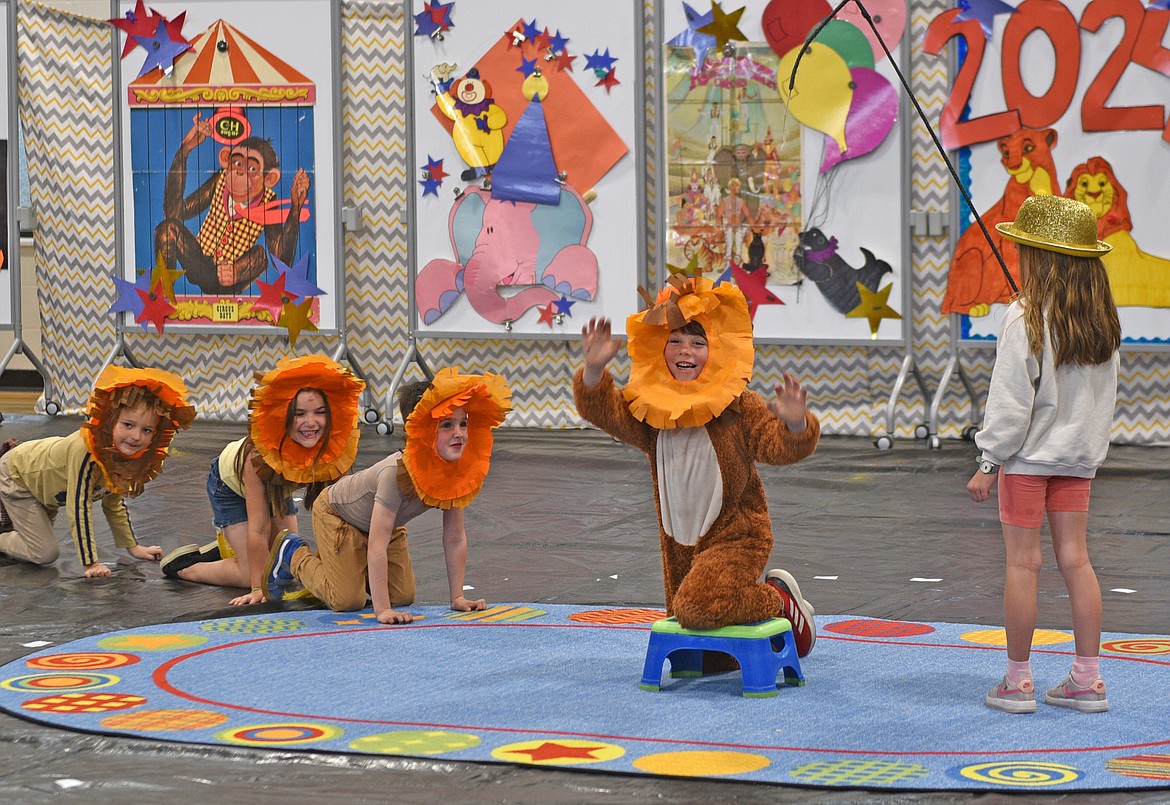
<point x="886" y="704"/>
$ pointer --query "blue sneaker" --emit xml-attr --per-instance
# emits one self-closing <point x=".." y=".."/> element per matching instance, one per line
<point x="278" y="573"/>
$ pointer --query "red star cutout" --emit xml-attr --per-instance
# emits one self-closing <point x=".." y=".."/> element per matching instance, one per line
<point x="510" y="35"/>
<point x="546" y="315"/>
<point x="752" y="285"/>
<point x="155" y="307"/>
<point x="175" y="28"/>
<point x="564" y="61"/>
<point x="609" y="82"/>
<point x="273" y="297"/>
<point x="142" y="25"/>
<point x="543" y="42"/>
<point x="550" y="750"/>
<point x="435" y="169"/>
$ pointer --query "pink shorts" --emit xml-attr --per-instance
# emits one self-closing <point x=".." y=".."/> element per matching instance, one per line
<point x="1023" y="499"/>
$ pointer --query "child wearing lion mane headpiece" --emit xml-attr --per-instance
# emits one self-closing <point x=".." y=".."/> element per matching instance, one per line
<point x="133" y="415"/>
<point x="687" y="407"/>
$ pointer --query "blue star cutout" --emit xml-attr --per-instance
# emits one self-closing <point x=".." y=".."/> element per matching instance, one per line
<point x="426" y="25"/>
<point x="558" y="43"/>
<point x="430" y="187"/>
<point x="531" y="30"/>
<point x="441" y="14"/>
<point x="563" y="304"/>
<point x="985" y="11"/>
<point x="1159" y="5"/>
<point x="527" y="66"/>
<point x="599" y="63"/>
<point x="161" y="50"/>
<point x="296" y="280"/>
<point x="129" y="301"/>
<point x="700" y="43"/>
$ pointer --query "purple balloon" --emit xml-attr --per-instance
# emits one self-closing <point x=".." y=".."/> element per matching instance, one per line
<point x="872" y="113"/>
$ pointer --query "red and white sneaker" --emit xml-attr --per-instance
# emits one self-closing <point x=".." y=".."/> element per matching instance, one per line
<point x="793" y="607"/>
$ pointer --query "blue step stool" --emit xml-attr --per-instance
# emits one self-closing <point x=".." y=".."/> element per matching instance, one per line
<point x="762" y="650"/>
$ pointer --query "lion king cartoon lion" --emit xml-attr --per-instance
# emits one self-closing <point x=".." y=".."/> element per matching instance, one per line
<point x="1137" y="279"/>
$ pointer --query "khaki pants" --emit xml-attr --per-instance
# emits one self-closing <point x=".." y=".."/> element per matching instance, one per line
<point x="337" y="572"/>
<point x="32" y="539"/>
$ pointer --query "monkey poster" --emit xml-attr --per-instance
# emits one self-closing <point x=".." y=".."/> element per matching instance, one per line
<point x="229" y="156"/>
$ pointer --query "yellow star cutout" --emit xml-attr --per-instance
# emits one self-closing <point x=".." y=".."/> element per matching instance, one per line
<point x="166" y="276"/>
<point x="689" y="270"/>
<point x="874" y="306"/>
<point x="296" y="318"/>
<point x="723" y="26"/>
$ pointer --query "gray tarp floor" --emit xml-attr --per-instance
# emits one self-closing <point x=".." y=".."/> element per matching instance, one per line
<point x="567" y="517"/>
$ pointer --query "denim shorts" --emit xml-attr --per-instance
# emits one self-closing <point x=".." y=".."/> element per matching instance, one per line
<point x="228" y="508"/>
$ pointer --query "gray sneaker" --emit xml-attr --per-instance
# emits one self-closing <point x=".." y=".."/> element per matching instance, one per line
<point x="1019" y="699"/>
<point x="1087" y="699"/>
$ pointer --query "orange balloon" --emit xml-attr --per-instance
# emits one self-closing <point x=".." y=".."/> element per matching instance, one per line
<point x="821" y="95"/>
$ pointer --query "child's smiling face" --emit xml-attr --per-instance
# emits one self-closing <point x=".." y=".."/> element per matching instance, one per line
<point x="686" y="355"/>
<point x="452" y="436"/>
<point x="134" y="430"/>
<point x="309" y="416"/>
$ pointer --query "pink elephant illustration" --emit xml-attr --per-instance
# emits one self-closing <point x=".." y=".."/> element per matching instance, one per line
<point x="538" y="247"/>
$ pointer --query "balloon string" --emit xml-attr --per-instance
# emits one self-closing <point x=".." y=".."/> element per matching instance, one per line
<point x="921" y="114"/>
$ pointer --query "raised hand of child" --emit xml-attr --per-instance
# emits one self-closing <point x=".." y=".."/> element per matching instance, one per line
<point x="96" y="571"/>
<point x="598" y="347"/>
<point x="151" y="552"/>
<point x="790" y="403"/>
<point x="462" y="604"/>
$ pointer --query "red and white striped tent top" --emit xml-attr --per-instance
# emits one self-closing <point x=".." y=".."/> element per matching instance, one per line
<point x="238" y="72"/>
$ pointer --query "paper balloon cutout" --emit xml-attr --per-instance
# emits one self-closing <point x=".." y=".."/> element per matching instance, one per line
<point x="821" y="93"/>
<point x="871" y="116"/>
<point x="848" y="42"/>
<point x="787" y="23"/>
<point x="889" y="17"/>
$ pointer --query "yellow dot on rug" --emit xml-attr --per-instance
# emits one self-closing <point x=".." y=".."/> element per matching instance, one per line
<point x="414" y="742"/>
<point x="998" y="637"/>
<point x="701" y="763"/>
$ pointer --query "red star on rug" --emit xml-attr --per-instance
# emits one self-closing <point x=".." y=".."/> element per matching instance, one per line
<point x="546" y="314"/>
<point x="564" y="61"/>
<point x="752" y="283"/>
<point x="609" y="82"/>
<point x="273" y="297"/>
<point x="296" y="318"/>
<point x="155" y="307"/>
<point x="550" y="750"/>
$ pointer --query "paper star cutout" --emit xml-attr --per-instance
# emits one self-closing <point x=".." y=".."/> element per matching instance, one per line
<point x="510" y="36"/>
<point x="874" y="306"/>
<point x="609" y="81"/>
<point x="435" y="168"/>
<point x="430" y="187"/>
<point x="753" y="285"/>
<point x="531" y="30"/>
<point x="550" y="750"/>
<point x="700" y="43"/>
<point x="600" y="63"/>
<point x="557" y="43"/>
<point x="425" y="25"/>
<point x="295" y="317"/>
<point x="985" y="11"/>
<point x="297" y="282"/>
<point x="564" y="61"/>
<point x="165" y="276"/>
<point x="441" y="14"/>
<point x="175" y="27"/>
<point x="724" y="27"/>
<point x="563" y="306"/>
<point x="129" y="300"/>
<point x="1159" y="5"/>
<point x="542" y="40"/>
<point x="155" y="308"/>
<point x="161" y="50"/>
<point x="526" y="66"/>
<point x="137" y="23"/>
<point x="273" y="297"/>
<point x="692" y="266"/>
<point x="546" y="315"/>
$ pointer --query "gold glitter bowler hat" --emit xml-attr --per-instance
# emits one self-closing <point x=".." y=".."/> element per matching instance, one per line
<point x="1057" y="224"/>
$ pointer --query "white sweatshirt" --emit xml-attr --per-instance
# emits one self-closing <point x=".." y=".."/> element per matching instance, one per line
<point x="1041" y="420"/>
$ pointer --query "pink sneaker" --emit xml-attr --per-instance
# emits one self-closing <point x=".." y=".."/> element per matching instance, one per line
<point x="1018" y="699"/>
<point x="793" y="607"/>
<point x="1087" y="699"/>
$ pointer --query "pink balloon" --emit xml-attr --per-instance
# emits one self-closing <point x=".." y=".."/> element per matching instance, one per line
<point x="872" y="113"/>
<point x="888" y="15"/>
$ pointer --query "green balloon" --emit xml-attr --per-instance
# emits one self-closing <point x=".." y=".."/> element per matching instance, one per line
<point x="849" y="42"/>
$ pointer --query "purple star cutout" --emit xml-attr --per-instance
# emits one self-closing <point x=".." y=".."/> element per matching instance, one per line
<point x="526" y="66"/>
<point x="128" y="300"/>
<point x="425" y="24"/>
<point x="558" y="43"/>
<point x="297" y="281"/>
<point x="563" y="304"/>
<point x="691" y="37"/>
<point x="985" y="11"/>
<point x="531" y="30"/>
<point x="161" y="50"/>
<point x="600" y="63"/>
<point x="430" y="187"/>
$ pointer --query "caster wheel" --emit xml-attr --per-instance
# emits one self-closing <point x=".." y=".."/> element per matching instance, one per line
<point x="384" y="428"/>
<point x="934" y="443"/>
<point x="883" y="443"/>
<point x="969" y="433"/>
<point x="371" y="416"/>
<point x="921" y="432"/>
<point x="52" y="408"/>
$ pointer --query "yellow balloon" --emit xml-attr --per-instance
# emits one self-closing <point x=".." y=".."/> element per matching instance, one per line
<point x="535" y="85"/>
<point x="821" y="94"/>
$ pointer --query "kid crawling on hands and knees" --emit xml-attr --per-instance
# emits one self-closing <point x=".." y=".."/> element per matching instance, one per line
<point x="1045" y="432"/>
<point x="302" y="432"/>
<point x="688" y="408"/>
<point x="133" y="416"/>
<point x="360" y="522"/>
